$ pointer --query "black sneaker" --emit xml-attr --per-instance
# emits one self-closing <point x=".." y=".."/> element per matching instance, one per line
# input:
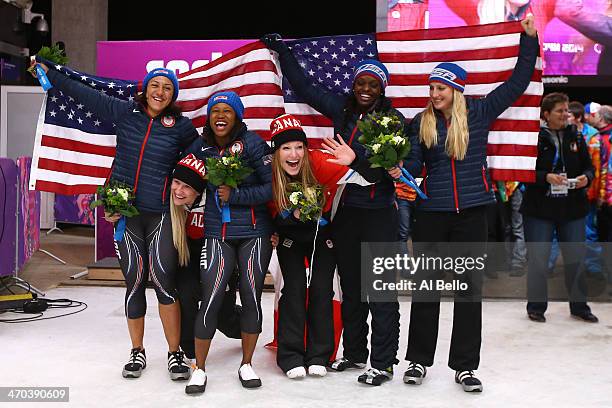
<point x="343" y="363"/>
<point x="375" y="376"/>
<point x="176" y="366"/>
<point x="468" y="381"/>
<point x="536" y="317"/>
<point x="586" y="316"/>
<point x="415" y="374"/>
<point x="136" y="363"/>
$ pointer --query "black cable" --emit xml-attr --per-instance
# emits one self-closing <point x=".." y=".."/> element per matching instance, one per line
<point x="5" y="286"/>
<point x="38" y="317"/>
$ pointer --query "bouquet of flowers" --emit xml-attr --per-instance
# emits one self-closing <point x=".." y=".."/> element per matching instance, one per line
<point x="228" y="170"/>
<point x="116" y="198"/>
<point x="307" y="200"/>
<point x="382" y="136"/>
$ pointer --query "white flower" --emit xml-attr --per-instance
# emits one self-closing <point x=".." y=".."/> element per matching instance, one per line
<point x="376" y="147"/>
<point x="295" y="197"/>
<point x="123" y="193"/>
<point x="225" y="160"/>
<point x="398" y="140"/>
<point x="385" y="121"/>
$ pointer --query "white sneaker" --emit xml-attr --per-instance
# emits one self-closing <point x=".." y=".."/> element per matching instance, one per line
<point x="197" y="383"/>
<point x="317" y="370"/>
<point x="297" y="372"/>
<point x="247" y="376"/>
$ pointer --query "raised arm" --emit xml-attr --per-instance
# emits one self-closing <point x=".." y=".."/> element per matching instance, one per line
<point x="502" y="97"/>
<point x="329" y="104"/>
<point x="106" y="107"/>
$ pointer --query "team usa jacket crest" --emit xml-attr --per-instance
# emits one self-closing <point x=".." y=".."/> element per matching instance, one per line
<point x="147" y="148"/>
<point x="249" y="214"/>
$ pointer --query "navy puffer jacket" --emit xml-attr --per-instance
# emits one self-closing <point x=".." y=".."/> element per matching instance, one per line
<point x="147" y="150"/>
<point x="250" y="216"/>
<point x="333" y="106"/>
<point x="454" y="185"/>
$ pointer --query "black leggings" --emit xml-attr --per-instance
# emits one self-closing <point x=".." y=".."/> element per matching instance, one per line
<point x="147" y="252"/>
<point x="294" y="316"/>
<point x="217" y="266"/>
<point x="351" y="227"/>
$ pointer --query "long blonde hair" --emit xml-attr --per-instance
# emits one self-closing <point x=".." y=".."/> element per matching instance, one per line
<point x="457" y="137"/>
<point x="281" y="180"/>
<point x="178" y="215"/>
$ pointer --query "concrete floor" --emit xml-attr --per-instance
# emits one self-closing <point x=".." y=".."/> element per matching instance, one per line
<point x="562" y="363"/>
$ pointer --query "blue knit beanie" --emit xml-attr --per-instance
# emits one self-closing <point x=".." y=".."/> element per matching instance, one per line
<point x="228" y="97"/>
<point x="374" y="69"/>
<point x="449" y="73"/>
<point x="168" y="73"/>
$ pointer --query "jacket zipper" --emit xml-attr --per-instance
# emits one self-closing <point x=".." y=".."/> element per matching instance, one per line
<point x="253" y="219"/>
<point x="484" y="179"/>
<point x="455" y="184"/>
<point x="144" y="143"/>
<point x="164" y="191"/>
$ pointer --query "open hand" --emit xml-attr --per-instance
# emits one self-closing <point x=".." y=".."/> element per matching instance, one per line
<point x="344" y="154"/>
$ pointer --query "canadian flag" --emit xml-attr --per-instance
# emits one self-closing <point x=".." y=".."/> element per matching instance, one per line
<point x="277" y="276"/>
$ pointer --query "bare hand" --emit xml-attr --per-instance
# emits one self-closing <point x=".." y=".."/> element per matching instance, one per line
<point x="529" y="25"/>
<point x="396" y="172"/>
<point x="296" y="213"/>
<point x="556" y="179"/>
<point x="112" y="218"/>
<point x="274" y="239"/>
<point x="43" y="66"/>
<point x="344" y="154"/>
<point x="582" y="181"/>
<point x="224" y="193"/>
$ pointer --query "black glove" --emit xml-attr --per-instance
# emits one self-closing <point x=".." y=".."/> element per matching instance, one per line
<point x="274" y="42"/>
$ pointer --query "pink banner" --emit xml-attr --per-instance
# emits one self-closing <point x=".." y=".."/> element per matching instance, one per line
<point x="131" y="60"/>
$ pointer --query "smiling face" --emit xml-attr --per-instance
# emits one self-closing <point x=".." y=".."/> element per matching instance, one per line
<point x="222" y="120"/>
<point x="557" y="116"/>
<point x="291" y="157"/>
<point x="159" y="95"/>
<point x="182" y="193"/>
<point x="367" y="90"/>
<point x="441" y="96"/>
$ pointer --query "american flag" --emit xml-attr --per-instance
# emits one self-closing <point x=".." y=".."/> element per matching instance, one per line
<point x="74" y="148"/>
<point x="487" y="52"/>
<point x="77" y="159"/>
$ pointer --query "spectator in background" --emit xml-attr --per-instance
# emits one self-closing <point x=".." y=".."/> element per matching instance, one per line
<point x="515" y="235"/>
<point x="591" y="114"/>
<point x="549" y="203"/>
<point x="593" y="249"/>
<point x="604" y="199"/>
<point x="405" y="205"/>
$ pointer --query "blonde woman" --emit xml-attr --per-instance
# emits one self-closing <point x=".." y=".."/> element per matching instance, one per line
<point x="187" y="212"/>
<point x="449" y="139"/>
<point x="305" y="307"/>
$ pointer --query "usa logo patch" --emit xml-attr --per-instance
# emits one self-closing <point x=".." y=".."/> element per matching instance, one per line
<point x="237" y="148"/>
<point x="168" y="121"/>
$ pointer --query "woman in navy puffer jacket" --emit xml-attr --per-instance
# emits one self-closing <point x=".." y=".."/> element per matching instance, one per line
<point x="244" y="241"/>
<point x="151" y="136"/>
<point x="449" y="138"/>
